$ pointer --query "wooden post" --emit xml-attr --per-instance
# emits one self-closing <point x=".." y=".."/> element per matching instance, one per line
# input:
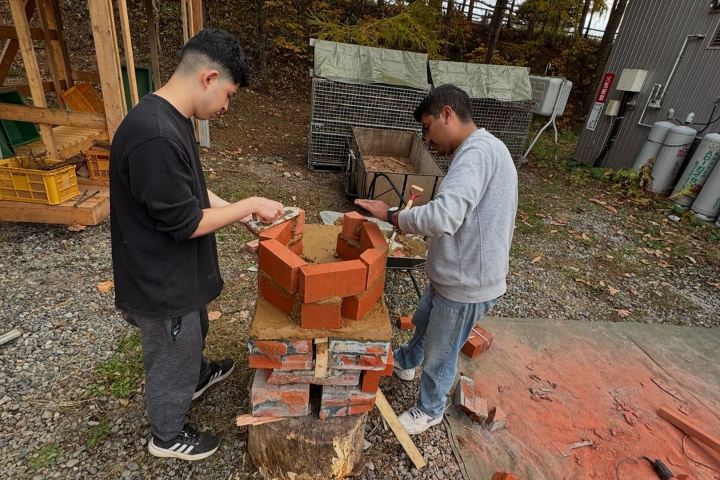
<point x="154" y="42"/>
<point x="64" y="58"/>
<point x="127" y="46"/>
<point x="53" y="55"/>
<point x="33" y="72"/>
<point x="108" y="58"/>
<point x="11" y="46"/>
<point x="202" y="127"/>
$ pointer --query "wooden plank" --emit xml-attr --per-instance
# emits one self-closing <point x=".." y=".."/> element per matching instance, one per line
<point x="91" y="212"/>
<point x="185" y="21"/>
<point x="688" y="428"/>
<point x="8" y="31"/>
<point x="56" y="46"/>
<point x="151" y="14"/>
<point x="389" y="415"/>
<point x="51" y="50"/>
<point x="247" y="419"/>
<point x="68" y="143"/>
<point x="33" y="72"/>
<point x="87" y="77"/>
<point x="108" y="59"/>
<point x="63" y="57"/>
<point x="196" y="7"/>
<point x="127" y="47"/>
<point x="11" y="46"/>
<point x="321" y="357"/>
<point x="52" y="116"/>
<point x="24" y="89"/>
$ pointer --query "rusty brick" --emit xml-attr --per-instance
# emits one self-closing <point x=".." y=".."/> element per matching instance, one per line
<point x="351" y="223"/>
<point x="275" y="295"/>
<point x="356" y="307"/>
<point x="327" y="280"/>
<point x="281" y="232"/>
<point x="280" y="264"/>
<point x="347" y="249"/>
<point x="478" y="341"/>
<point x="406" y="323"/>
<point x="321" y="315"/>
<point x="371" y="237"/>
<point x="334" y="377"/>
<point x="375" y="260"/>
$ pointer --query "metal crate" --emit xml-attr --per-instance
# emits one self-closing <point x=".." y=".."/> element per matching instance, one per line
<point x="336" y="107"/>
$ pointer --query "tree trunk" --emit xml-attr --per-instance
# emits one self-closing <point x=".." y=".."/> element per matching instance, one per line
<point x="262" y="44"/>
<point x="511" y="12"/>
<point x="531" y="26"/>
<point x="587" y="29"/>
<point x="606" y="45"/>
<point x="445" y="51"/>
<point x="583" y="17"/>
<point x="471" y="9"/>
<point x="495" y="27"/>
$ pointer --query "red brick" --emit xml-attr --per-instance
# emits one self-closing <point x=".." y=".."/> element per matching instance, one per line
<point x="390" y="364"/>
<point x="356" y="307"/>
<point x="478" y="341"/>
<point x="327" y="280"/>
<point x="281" y="232"/>
<point x="280" y="377"/>
<point x="252" y="246"/>
<point x="504" y="476"/>
<point x="276" y="295"/>
<point x="280" y="264"/>
<point x="326" y="413"/>
<point x="467" y="399"/>
<point x="333" y="396"/>
<point x="372" y="237"/>
<point x="320" y="315"/>
<point x="296" y="245"/>
<point x="300" y="361"/>
<point x="347" y="249"/>
<point x="375" y="260"/>
<point x="357" y="362"/>
<point x="298" y="223"/>
<point x="351" y="223"/>
<point x="497" y="419"/>
<point x="279" y="347"/>
<point x="370" y="381"/>
<point x="406" y="323"/>
<point x="272" y="409"/>
<point x="357" y="409"/>
<point x="264" y="393"/>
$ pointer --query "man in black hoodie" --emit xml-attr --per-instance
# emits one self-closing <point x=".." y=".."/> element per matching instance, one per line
<point x="163" y="219"/>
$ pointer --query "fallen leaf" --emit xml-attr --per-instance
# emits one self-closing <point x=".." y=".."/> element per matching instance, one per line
<point x="623" y="312"/>
<point x="536" y="259"/>
<point x="105" y="287"/>
<point x="123" y="402"/>
<point x="76" y="228"/>
<point x="613" y="291"/>
<point x="714" y="284"/>
<point x="214" y="315"/>
<point x="585" y="236"/>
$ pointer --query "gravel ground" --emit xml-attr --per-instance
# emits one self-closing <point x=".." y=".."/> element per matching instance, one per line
<point x="71" y="403"/>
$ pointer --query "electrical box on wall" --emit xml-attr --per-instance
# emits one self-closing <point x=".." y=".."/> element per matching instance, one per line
<point x="612" y="108"/>
<point x="631" y="80"/>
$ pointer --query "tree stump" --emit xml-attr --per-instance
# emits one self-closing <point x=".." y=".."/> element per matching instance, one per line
<point x="307" y="448"/>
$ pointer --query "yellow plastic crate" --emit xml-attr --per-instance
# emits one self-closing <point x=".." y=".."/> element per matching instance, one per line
<point x="83" y="98"/>
<point x="51" y="187"/>
<point x="97" y="158"/>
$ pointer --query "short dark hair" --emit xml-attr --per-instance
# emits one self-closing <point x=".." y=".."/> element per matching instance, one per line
<point x="220" y="48"/>
<point x="445" y="95"/>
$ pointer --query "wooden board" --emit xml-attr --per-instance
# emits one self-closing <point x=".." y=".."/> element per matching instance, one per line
<point x="408" y="445"/>
<point x="690" y="429"/>
<point x="90" y="212"/>
<point x="70" y="141"/>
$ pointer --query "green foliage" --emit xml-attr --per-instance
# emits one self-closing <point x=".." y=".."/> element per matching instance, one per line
<point x="124" y="371"/>
<point x="46" y="456"/>
<point x="413" y="29"/>
<point x="98" y="434"/>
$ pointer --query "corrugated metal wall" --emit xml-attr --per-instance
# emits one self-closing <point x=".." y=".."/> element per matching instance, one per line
<point x="650" y="38"/>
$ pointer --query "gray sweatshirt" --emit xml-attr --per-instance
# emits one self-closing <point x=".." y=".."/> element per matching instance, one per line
<point x="470" y="222"/>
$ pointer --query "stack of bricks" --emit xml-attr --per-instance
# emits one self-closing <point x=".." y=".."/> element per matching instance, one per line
<point x="322" y="297"/>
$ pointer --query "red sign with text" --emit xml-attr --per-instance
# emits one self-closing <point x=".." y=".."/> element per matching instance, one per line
<point x="604" y="89"/>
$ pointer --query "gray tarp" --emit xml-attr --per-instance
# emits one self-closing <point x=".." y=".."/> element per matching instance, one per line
<point x="360" y="64"/>
<point x="501" y="82"/>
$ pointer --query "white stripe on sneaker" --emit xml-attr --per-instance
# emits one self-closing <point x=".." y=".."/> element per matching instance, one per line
<point x="183" y="448"/>
<point x="174" y="447"/>
<point x="190" y="449"/>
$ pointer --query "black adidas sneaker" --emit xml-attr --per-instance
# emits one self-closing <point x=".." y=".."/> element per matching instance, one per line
<point x="188" y="445"/>
<point x="218" y="371"/>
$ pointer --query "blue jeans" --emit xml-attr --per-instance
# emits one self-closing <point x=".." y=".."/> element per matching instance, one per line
<point x="441" y="328"/>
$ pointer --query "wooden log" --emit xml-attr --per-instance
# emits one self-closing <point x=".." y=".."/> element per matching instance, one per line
<point x="690" y="429"/>
<point x="307" y="447"/>
<point x="51" y="116"/>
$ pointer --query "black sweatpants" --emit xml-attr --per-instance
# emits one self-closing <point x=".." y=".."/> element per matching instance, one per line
<point x="174" y="367"/>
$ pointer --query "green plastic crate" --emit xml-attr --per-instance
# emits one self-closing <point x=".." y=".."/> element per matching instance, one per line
<point x="143" y="76"/>
<point x="16" y="133"/>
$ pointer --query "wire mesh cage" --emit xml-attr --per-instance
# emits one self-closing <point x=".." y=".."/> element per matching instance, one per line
<point x="336" y="107"/>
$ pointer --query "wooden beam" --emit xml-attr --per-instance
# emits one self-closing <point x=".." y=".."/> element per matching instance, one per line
<point x="389" y="415"/>
<point x="12" y="46"/>
<point x="185" y="21"/>
<point x="151" y="14"/>
<point x="24" y="89"/>
<point x="52" y="116"/>
<point x="202" y="127"/>
<point x="8" y="31"/>
<point x="127" y="46"/>
<point x="690" y="429"/>
<point x="51" y="12"/>
<point x="33" y="72"/>
<point x="87" y="77"/>
<point x="51" y="47"/>
<point x="196" y="15"/>
<point x="108" y="59"/>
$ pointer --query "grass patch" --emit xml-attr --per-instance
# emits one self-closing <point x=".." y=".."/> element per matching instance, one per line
<point x="98" y="434"/>
<point x="46" y="456"/>
<point x="122" y="374"/>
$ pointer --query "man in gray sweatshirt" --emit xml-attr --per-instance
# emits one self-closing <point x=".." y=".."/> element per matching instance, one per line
<point x="470" y="226"/>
